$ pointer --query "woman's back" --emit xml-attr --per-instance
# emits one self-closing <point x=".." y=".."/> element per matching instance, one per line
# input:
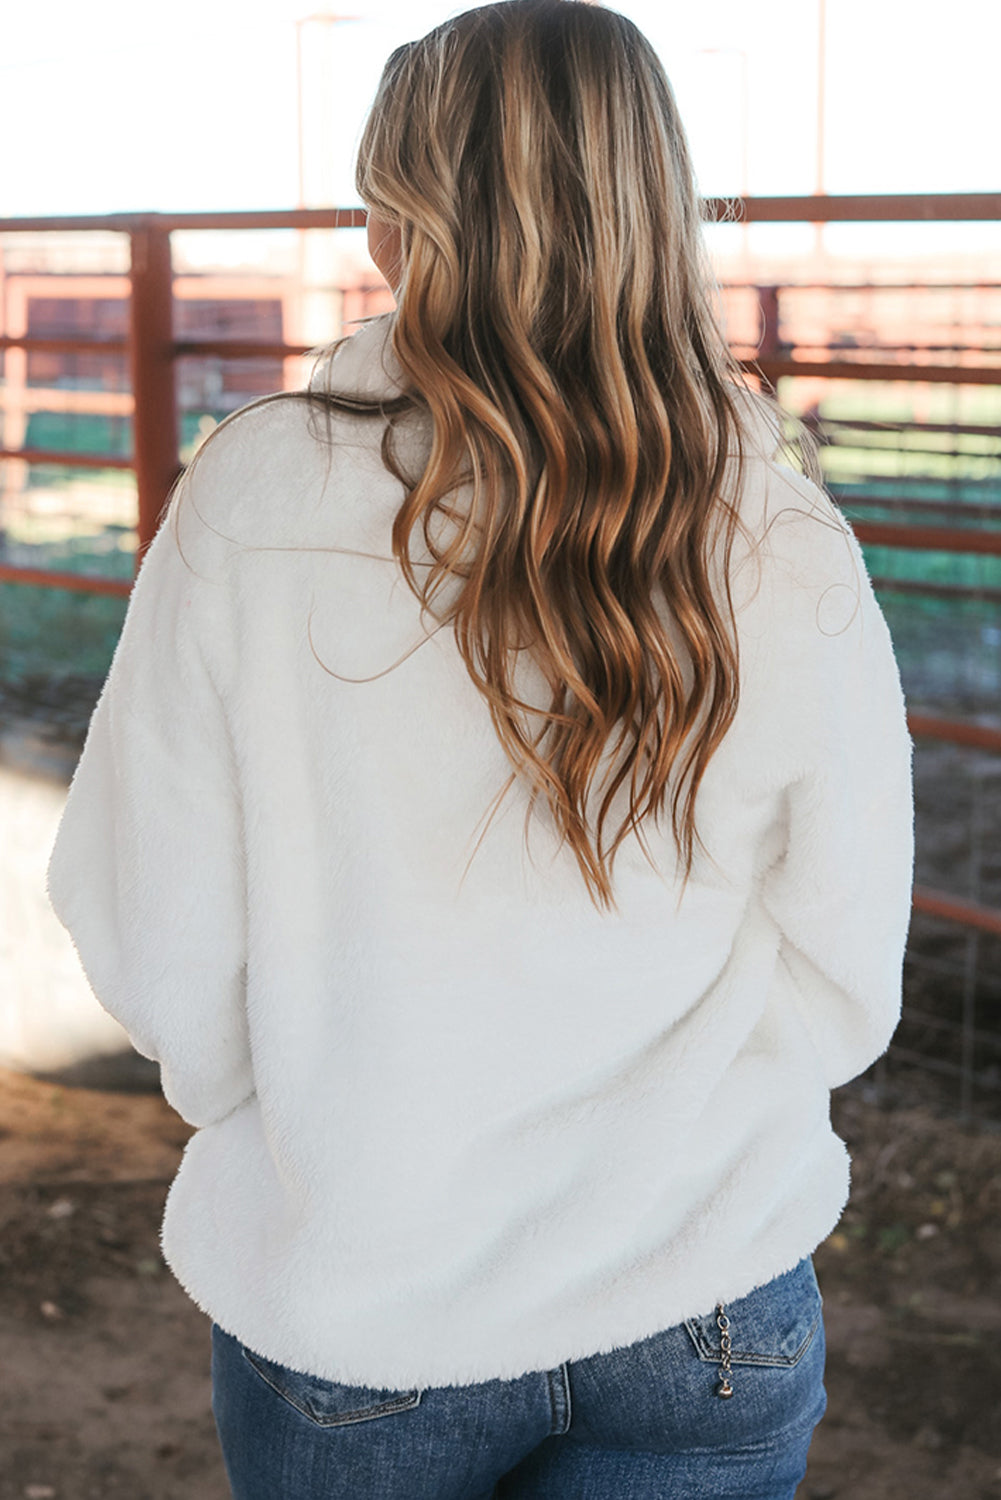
<point x="458" y="1121"/>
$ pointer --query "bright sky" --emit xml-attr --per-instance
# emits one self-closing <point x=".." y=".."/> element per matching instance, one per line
<point x="116" y="105"/>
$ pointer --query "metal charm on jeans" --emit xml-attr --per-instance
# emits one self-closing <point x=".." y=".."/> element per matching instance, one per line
<point x="723" y="1324"/>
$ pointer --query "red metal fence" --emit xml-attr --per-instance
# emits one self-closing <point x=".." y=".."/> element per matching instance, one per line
<point x="153" y="352"/>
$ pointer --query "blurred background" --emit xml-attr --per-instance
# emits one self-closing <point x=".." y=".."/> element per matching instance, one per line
<point x="178" y="229"/>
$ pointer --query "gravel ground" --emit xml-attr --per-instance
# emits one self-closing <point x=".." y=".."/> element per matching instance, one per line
<point x="104" y="1361"/>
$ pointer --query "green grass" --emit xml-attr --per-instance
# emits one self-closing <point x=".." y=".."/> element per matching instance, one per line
<point x="79" y="432"/>
<point x="51" y="632"/>
<point x="82" y="432"/>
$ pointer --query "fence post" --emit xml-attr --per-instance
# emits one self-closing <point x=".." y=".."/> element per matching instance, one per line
<point x="154" y="388"/>
<point x="769" y="346"/>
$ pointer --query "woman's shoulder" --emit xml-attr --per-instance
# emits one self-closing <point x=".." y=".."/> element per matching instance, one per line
<point x="784" y="513"/>
<point x="255" y="434"/>
<point x="282" y="461"/>
<point x="794" y="553"/>
<point x="282" y="436"/>
<point x="248" y="465"/>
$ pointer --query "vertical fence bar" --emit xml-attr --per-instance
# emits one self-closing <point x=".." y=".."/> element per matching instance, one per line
<point x="154" y="387"/>
<point x="770" y="345"/>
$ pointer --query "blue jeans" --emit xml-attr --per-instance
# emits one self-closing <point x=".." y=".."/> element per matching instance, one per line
<point x="643" y="1422"/>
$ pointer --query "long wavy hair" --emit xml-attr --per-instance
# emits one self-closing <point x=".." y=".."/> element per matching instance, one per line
<point x="555" y="319"/>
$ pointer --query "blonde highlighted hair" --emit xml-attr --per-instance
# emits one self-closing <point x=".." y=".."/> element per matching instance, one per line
<point x="555" y="321"/>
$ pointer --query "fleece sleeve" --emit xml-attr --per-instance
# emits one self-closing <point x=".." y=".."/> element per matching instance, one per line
<point x="841" y="890"/>
<point x="147" y="871"/>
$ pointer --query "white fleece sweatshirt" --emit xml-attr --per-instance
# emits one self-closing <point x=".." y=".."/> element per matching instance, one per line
<point x="454" y="1123"/>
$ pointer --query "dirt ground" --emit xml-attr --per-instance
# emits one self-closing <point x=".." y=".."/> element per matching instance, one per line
<point x="104" y="1362"/>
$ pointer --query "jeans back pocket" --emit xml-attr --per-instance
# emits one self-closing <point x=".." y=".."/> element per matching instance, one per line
<point x="327" y="1402"/>
<point x="773" y="1325"/>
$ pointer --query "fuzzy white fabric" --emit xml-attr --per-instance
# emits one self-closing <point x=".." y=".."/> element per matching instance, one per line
<point x="453" y="1123"/>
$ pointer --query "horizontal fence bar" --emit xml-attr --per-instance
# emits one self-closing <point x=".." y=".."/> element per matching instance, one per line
<point x="778" y="369"/>
<point x="953" y="346"/>
<point x="950" y="909"/>
<point x="823" y="208"/>
<point x="969" y="510"/>
<point x="241" y="348"/>
<point x="851" y="424"/>
<point x="901" y="443"/>
<point x="182" y="348"/>
<point x="68" y="345"/>
<point x="928" y="538"/>
<point x="273" y="218"/>
<point x="80" y="583"/>
<point x="872" y="286"/>
<point x="955" y="731"/>
<point x="918" y="587"/>
<point x="64" y="458"/>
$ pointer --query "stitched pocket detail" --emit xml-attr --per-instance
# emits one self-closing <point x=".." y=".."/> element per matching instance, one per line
<point x="326" y="1402"/>
<point x="773" y="1325"/>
